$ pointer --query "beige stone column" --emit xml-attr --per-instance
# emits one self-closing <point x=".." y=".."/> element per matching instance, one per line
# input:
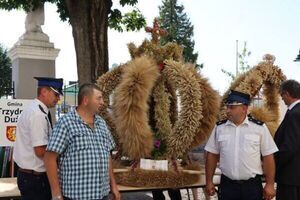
<point x="32" y="55"/>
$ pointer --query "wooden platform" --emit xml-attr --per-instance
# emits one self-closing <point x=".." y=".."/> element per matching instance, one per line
<point x="9" y="188"/>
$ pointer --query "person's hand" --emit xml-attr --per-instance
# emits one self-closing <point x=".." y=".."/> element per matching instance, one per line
<point x="58" y="197"/>
<point x="269" y="191"/>
<point x="210" y="189"/>
<point x="116" y="194"/>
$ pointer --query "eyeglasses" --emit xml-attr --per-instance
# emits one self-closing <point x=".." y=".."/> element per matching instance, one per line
<point x="55" y="92"/>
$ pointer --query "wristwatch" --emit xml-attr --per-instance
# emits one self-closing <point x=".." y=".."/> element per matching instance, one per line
<point x="57" y="198"/>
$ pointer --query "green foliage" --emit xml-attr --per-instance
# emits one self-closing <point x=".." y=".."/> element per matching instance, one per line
<point x="133" y="20"/>
<point x="229" y="74"/>
<point x="180" y="29"/>
<point x="243" y="58"/>
<point x="130" y="21"/>
<point x="243" y="62"/>
<point x="26" y="5"/>
<point x="5" y="75"/>
<point x="62" y="10"/>
<point x="128" y="2"/>
<point x="116" y="20"/>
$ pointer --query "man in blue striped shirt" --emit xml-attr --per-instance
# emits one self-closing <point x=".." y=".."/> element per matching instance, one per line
<point x="82" y="142"/>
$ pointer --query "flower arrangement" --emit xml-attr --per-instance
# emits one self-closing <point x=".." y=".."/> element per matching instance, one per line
<point x="159" y="148"/>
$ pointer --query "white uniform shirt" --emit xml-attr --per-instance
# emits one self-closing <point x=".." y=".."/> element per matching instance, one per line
<point x="32" y="130"/>
<point x="240" y="148"/>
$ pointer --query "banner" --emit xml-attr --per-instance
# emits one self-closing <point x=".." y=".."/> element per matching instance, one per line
<point x="10" y="109"/>
<point x="148" y="164"/>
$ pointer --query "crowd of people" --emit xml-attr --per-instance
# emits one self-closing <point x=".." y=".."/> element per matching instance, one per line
<point x="71" y="159"/>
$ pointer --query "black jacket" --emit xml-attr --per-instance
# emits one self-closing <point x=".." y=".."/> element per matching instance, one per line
<point x="287" y="139"/>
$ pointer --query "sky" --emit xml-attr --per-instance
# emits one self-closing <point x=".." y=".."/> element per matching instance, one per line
<point x="268" y="26"/>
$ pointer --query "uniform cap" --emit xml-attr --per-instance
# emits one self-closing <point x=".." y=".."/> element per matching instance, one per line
<point x="238" y="98"/>
<point x="54" y="83"/>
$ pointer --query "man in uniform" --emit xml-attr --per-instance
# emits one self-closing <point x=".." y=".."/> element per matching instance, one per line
<point x="238" y="144"/>
<point x="287" y="138"/>
<point x="33" y="129"/>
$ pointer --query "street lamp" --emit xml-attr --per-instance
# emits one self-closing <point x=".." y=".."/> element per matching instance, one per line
<point x="237" y="58"/>
<point x="297" y="58"/>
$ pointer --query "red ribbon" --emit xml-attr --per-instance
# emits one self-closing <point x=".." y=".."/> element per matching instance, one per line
<point x="161" y="66"/>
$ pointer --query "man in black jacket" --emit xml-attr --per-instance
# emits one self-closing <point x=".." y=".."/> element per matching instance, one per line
<point x="287" y="138"/>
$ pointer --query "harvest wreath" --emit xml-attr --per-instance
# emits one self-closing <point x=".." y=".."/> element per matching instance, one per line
<point x="144" y="114"/>
<point x="267" y="76"/>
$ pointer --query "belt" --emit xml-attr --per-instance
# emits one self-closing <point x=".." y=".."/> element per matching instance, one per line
<point x="29" y="171"/>
<point x="254" y="179"/>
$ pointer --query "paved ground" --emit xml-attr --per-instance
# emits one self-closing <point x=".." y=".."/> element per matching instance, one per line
<point x="184" y="194"/>
<point x="148" y="196"/>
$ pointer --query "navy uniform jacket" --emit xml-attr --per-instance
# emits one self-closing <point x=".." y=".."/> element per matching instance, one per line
<point x="287" y="139"/>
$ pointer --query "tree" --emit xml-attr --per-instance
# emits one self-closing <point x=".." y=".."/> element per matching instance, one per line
<point x="89" y="20"/>
<point x="243" y="65"/>
<point x="180" y="29"/>
<point x="5" y="75"/>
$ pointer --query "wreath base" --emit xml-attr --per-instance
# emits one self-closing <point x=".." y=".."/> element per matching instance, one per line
<point x="156" y="178"/>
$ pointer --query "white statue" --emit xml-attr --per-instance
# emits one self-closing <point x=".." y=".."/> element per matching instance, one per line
<point x="35" y="19"/>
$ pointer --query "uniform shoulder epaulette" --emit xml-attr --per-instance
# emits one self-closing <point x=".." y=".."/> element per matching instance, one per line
<point x="221" y="122"/>
<point x="256" y="121"/>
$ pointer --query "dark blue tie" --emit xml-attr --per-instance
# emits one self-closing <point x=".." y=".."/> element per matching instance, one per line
<point x="48" y="115"/>
<point x="50" y="118"/>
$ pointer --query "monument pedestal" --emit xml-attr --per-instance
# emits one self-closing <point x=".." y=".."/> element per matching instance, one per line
<point x="33" y="55"/>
